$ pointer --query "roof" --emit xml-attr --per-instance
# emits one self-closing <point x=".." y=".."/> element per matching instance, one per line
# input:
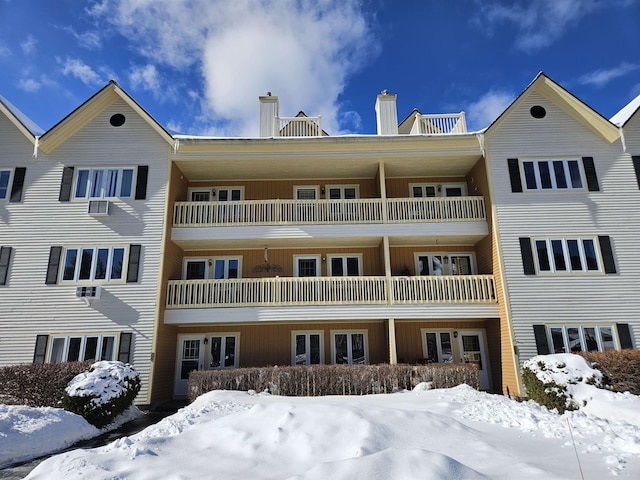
<point x="569" y="103"/>
<point x="20" y="120"/>
<point x="73" y="122"/>
<point x="623" y="116"/>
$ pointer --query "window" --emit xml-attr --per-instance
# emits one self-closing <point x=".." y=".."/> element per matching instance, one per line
<point x="438" y="347"/>
<point x="566" y="255"/>
<point x="195" y="269"/>
<point x="223" y="352"/>
<point x="93" y="264"/>
<point x="342" y="192"/>
<point x="350" y="348"/>
<point x="581" y="338"/>
<point x="560" y="174"/>
<point x="306" y="266"/>
<point x="78" y="348"/>
<point x="5" y="183"/>
<point x="428" y="190"/>
<point x="228" y="194"/>
<point x="344" y="266"/>
<point x="305" y="193"/>
<point x="226" y="268"/>
<point x="307" y="348"/>
<point x="5" y="258"/>
<point x="104" y="183"/>
<point x="444" y="264"/>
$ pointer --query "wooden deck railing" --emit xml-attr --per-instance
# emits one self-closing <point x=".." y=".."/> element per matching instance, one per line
<point x="442" y="124"/>
<point x="279" y="291"/>
<point x="363" y="210"/>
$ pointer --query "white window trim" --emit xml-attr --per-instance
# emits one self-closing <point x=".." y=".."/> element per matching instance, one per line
<point x="567" y="259"/>
<point x="307" y="334"/>
<point x="342" y="189"/>
<point x="446" y="264"/>
<point x="226" y="266"/>
<point x="554" y="187"/>
<point x="306" y="257"/>
<point x="207" y="267"/>
<point x="344" y="257"/>
<point x="83" y="344"/>
<point x="439" y="188"/>
<point x="215" y="192"/>
<point x="438" y="331"/>
<point x="581" y="327"/>
<point x="207" y="350"/>
<point x="192" y="190"/>
<point x="120" y="169"/>
<point x="333" y="334"/>
<point x="296" y="188"/>
<point x="9" y="183"/>
<point x="94" y="259"/>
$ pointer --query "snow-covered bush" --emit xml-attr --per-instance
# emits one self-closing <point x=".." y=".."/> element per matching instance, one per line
<point x="558" y="381"/>
<point x="103" y="392"/>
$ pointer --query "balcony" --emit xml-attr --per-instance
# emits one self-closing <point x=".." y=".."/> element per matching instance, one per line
<point x="308" y="291"/>
<point x="300" y="212"/>
<point x="442" y="124"/>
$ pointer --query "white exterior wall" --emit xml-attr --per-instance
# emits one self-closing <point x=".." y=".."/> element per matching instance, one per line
<point x="29" y="307"/>
<point x="565" y="298"/>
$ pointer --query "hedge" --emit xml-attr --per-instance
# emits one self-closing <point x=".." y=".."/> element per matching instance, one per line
<point x="37" y="385"/>
<point x="621" y="368"/>
<point x="319" y="380"/>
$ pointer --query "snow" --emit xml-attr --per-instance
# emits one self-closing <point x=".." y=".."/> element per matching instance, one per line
<point x="104" y="380"/>
<point x="456" y="433"/>
<point x="626" y="113"/>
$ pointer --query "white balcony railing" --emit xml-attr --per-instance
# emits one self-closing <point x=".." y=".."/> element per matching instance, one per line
<point x="366" y="210"/>
<point x="244" y="292"/>
<point x="435" y="209"/>
<point x="441" y="124"/>
<point x="298" y="126"/>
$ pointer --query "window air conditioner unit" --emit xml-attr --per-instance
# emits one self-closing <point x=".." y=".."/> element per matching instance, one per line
<point x="88" y="292"/>
<point x="98" y="208"/>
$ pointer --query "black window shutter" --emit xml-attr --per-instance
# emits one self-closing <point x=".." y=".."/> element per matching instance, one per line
<point x="134" y="263"/>
<point x="527" y="256"/>
<point x="636" y="168"/>
<point x="41" y="348"/>
<point x="141" y="182"/>
<point x="18" y="182"/>
<point x="65" y="186"/>
<point x="542" y="345"/>
<point x="514" y="175"/>
<point x="124" y="350"/>
<point x="607" y="254"/>
<point x="590" y="172"/>
<point x="5" y="257"/>
<point x="624" y="335"/>
<point x="53" y="266"/>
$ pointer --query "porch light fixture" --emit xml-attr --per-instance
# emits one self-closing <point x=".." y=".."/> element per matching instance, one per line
<point x="455" y="335"/>
<point x="210" y="262"/>
<point x="322" y="190"/>
<point x="213" y="192"/>
<point x="206" y="340"/>
<point x="446" y="259"/>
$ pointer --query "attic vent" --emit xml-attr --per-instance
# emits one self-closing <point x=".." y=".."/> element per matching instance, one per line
<point x="538" y="112"/>
<point x="117" y="120"/>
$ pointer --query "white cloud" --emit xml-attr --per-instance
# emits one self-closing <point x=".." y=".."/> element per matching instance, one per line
<point x="147" y="78"/>
<point x="29" y="45"/>
<point x="29" y="85"/>
<point x="303" y="52"/>
<point x="481" y="113"/>
<point x="541" y="22"/>
<point x="89" y="40"/>
<point x="77" y="68"/>
<point x="601" y="77"/>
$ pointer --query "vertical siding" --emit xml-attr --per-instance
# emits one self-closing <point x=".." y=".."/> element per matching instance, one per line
<point x="29" y="306"/>
<point x="565" y="299"/>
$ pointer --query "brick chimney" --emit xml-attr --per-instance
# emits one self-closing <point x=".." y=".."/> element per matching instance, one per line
<point x="386" y="114"/>
<point x="268" y="114"/>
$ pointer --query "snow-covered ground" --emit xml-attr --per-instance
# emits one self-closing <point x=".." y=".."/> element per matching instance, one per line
<point x="455" y="433"/>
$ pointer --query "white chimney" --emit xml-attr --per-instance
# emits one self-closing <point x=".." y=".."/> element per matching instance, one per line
<point x="268" y="114"/>
<point x="386" y="114"/>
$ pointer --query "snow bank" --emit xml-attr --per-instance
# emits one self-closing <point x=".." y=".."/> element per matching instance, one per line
<point x="104" y="380"/>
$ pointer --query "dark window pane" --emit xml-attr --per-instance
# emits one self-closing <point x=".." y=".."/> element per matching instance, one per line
<point x="233" y="268"/>
<point x="230" y="352"/>
<point x="529" y="175"/>
<point x="543" y="256"/>
<point x="423" y="265"/>
<point x="445" y="345"/>
<point x="216" y="352"/>
<point x="342" y="355"/>
<point x="218" y="272"/>
<point x="574" y="172"/>
<point x="590" y="254"/>
<point x="90" y="348"/>
<point x="306" y="267"/>
<point x="97" y="179"/>
<point x="223" y="195"/>
<point x="336" y="267"/>
<point x="606" y="336"/>
<point x="590" y="339"/>
<point x="187" y="367"/>
<point x="334" y="193"/>
<point x="558" y="340"/>
<point x="70" y="264"/>
<point x="574" y="255"/>
<point x="85" y="264"/>
<point x="353" y="269"/>
<point x="417" y="192"/>
<point x="314" y="340"/>
<point x="107" y="348"/>
<point x="349" y="193"/>
<point x="101" y="263"/>
<point x="573" y="335"/>
<point x="545" y="174"/>
<point x="82" y="181"/>
<point x="432" y="348"/>
<point x="116" y="263"/>
<point x="127" y="183"/>
<point x="73" y="354"/>
<point x="561" y="179"/>
<point x="235" y="195"/>
<point x="558" y="255"/>
<point x="301" y="350"/>
<point x="357" y="348"/>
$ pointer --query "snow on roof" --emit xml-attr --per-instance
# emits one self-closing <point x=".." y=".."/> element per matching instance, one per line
<point x="626" y="113"/>
<point x="29" y="124"/>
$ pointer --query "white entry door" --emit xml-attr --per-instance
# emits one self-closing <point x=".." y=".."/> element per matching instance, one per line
<point x="190" y="357"/>
<point x="472" y="349"/>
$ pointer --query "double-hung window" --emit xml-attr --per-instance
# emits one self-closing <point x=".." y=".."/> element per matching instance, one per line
<point x="104" y="183"/>
<point x="93" y="264"/>
<point x="344" y="266"/>
<point x="78" y="348"/>
<point x="560" y="174"/>
<point x="581" y="338"/>
<point x="566" y="255"/>
<point x="5" y="183"/>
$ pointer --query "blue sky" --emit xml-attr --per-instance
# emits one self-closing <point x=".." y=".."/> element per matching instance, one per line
<point x="198" y="66"/>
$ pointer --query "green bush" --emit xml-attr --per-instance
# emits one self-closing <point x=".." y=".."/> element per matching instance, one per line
<point x="550" y="395"/>
<point x="103" y="392"/>
<point x="36" y="384"/>
<point x="318" y="380"/>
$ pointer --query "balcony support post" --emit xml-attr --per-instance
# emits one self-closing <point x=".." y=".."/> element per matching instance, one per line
<point x="393" y="351"/>
<point x="383" y="192"/>
<point x="387" y="270"/>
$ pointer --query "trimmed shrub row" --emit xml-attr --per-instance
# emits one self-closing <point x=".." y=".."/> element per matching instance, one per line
<point x="621" y="368"/>
<point x="319" y="380"/>
<point x="37" y="385"/>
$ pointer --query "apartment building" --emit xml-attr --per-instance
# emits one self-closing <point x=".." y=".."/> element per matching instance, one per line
<point x="423" y="243"/>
